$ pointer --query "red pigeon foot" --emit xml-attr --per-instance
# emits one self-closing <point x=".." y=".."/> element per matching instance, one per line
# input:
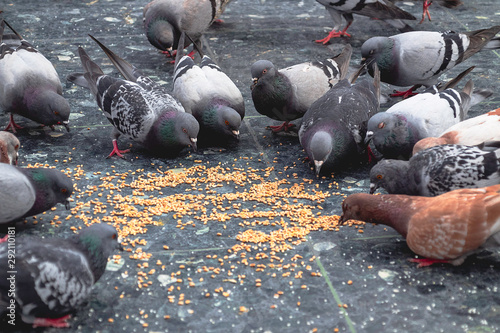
<point x="285" y="127"/>
<point x="12" y="125"/>
<point x="423" y="262"/>
<point x="405" y="94"/>
<point x="427" y="4"/>
<point x="52" y="322"/>
<point x="117" y="151"/>
<point x="4" y="239"/>
<point x="334" y="34"/>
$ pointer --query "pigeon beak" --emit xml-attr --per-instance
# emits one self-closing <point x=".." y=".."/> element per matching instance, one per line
<point x="66" y="125"/>
<point x="317" y="167"/>
<point x="119" y="245"/>
<point x="373" y="188"/>
<point x="254" y="82"/>
<point x="236" y="133"/>
<point x="342" y="220"/>
<point x="363" y="61"/>
<point x="67" y="205"/>
<point x="193" y="143"/>
<point x="368" y="136"/>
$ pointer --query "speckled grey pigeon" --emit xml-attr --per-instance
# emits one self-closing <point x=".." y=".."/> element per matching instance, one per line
<point x="29" y="84"/>
<point x="333" y="129"/>
<point x="286" y="94"/>
<point x="438" y="170"/>
<point x="29" y="191"/>
<point x="211" y="97"/>
<point x="395" y="131"/>
<point x="138" y="107"/>
<point x="9" y="147"/>
<point x="165" y="20"/>
<point x="376" y="9"/>
<point x="420" y="57"/>
<point x="52" y="277"/>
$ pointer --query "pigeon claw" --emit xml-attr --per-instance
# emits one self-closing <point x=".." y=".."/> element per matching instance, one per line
<point x="405" y="94"/>
<point x="423" y="262"/>
<point x="117" y="151"/>
<point x="425" y="12"/>
<point x="12" y="125"/>
<point x="52" y="322"/>
<point x="285" y="127"/>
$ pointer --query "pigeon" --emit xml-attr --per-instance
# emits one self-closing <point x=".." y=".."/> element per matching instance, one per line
<point x="210" y="96"/>
<point x="137" y="107"/>
<point x="9" y="147"/>
<point x="427" y="3"/>
<point x="438" y="170"/>
<point x="443" y="229"/>
<point x="53" y="276"/>
<point x="376" y="9"/>
<point x="286" y="94"/>
<point x="419" y="58"/>
<point x="395" y="131"/>
<point x="333" y="129"/>
<point x="165" y="20"/>
<point x="30" y="191"/>
<point x="29" y="84"/>
<point x="472" y="131"/>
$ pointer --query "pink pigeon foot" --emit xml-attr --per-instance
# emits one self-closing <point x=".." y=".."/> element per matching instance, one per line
<point x="4" y="239"/>
<point x="285" y="127"/>
<point x="423" y="262"/>
<point x="425" y="12"/>
<point x="117" y="151"/>
<point x="12" y="125"/>
<point x="52" y="322"/>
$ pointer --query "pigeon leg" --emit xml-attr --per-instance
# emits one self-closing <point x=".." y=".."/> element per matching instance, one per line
<point x="405" y="93"/>
<point x="334" y="34"/>
<point x="283" y="127"/>
<point x="51" y="322"/>
<point x="423" y="262"/>
<point x="117" y="151"/>
<point x="12" y="124"/>
<point x="4" y="239"/>
<point x="425" y="12"/>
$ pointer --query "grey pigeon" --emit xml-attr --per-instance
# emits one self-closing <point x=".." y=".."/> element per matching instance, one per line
<point x="438" y="170"/>
<point x="29" y="191"/>
<point x="52" y="277"/>
<point x="9" y="147"/>
<point x="395" y="131"/>
<point x="165" y="20"/>
<point x="333" y="130"/>
<point x="211" y="97"/>
<point x="419" y="58"/>
<point x="29" y="84"/>
<point x="286" y="94"/>
<point x="376" y="9"/>
<point x="138" y="107"/>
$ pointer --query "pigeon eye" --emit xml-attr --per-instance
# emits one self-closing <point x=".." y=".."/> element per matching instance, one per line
<point x="185" y="130"/>
<point x="114" y="236"/>
<point x="226" y="122"/>
<point x="372" y="52"/>
<point x="264" y="71"/>
<point x="56" y="113"/>
<point x="380" y="176"/>
<point x="381" y="125"/>
<point x="63" y="190"/>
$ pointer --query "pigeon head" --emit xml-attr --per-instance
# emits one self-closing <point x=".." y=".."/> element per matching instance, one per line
<point x="389" y="174"/>
<point x="352" y="208"/>
<point x="98" y="242"/>
<point x="261" y="68"/>
<point x="172" y="132"/>
<point x="51" y="109"/>
<point x="9" y="146"/>
<point x="378" y="50"/>
<point x="220" y="119"/>
<point x="320" y="148"/>
<point x="391" y="134"/>
<point x="51" y="187"/>
<point x="162" y="35"/>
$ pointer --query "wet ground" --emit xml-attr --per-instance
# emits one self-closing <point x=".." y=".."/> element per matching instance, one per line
<point x="240" y="238"/>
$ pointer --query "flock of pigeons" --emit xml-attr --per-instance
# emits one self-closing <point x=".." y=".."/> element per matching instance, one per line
<point x="440" y="169"/>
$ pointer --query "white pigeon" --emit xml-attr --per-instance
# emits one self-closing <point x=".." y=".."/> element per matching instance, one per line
<point x="471" y="132"/>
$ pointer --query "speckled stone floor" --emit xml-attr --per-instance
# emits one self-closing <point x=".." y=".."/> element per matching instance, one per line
<point x="190" y="267"/>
